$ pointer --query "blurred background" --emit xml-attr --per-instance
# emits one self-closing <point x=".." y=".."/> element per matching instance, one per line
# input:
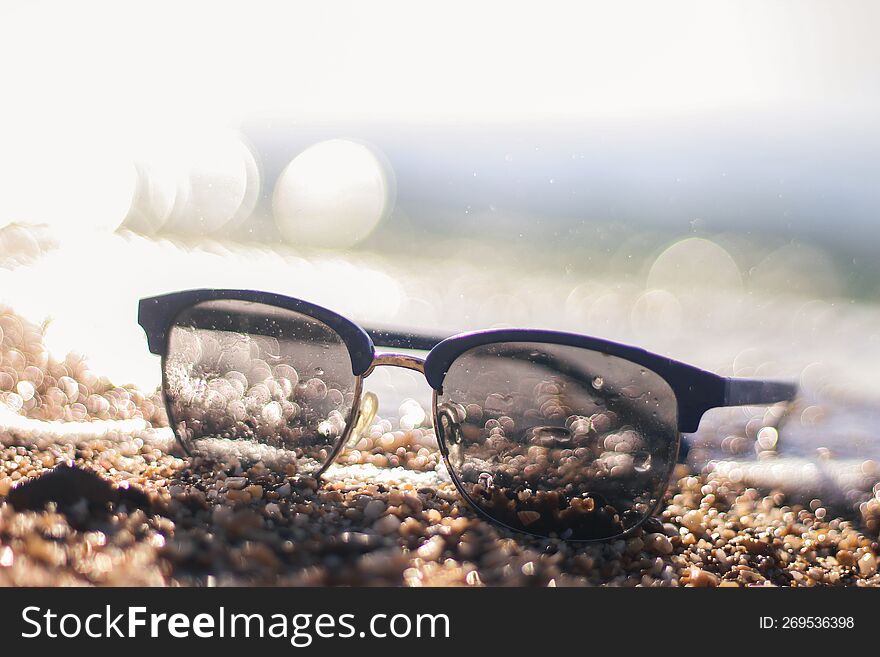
<point x="700" y="178"/>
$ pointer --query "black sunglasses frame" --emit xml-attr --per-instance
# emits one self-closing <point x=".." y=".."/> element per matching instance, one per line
<point x="696" y="390"/>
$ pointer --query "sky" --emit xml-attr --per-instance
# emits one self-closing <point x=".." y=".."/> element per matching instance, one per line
<point x="690" y="108"/>
<point x="109" y="65"/>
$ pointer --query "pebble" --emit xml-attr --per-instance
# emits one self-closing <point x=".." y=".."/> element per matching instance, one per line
<point x="386" y="525"/>
<point x="867" y="564"/>
<point x="693" y="521"/>
<point x="237" y="495"/>
<point x="374" y="509"/>
<point x="432" y="549"/>
<point x="659" y="544"/>
<point x="846" y="558"/>
<point x="473" y="578"/>
<point x="7" y="557"/>
<point x="49" y="552"/>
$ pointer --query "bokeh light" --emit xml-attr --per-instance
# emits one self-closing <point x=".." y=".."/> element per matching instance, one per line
<point x="694" y="261"/>
<point x="333" y="194"/>
<point x="198" y="183"/>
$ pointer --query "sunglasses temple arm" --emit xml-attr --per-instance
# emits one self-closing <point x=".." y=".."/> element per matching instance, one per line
<point x="400" y="339"/>
<point x="747" y="392"/>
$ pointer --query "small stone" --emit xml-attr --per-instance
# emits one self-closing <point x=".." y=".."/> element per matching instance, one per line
<point x="846" y="558"/>
<point x="414" y="503"/>
<point x="867" y="565"/>
<point x="6" y="557"/>
<point x="236" y="495"/>
<point x="432" y="549"/>
<point x="693" y="521"/>
<point x="49" y="552"/>
<point x="473" y="579"/>
<point x="697" y="577"/>
<point x="374" y="509"/>
<point x="386" y="525"/>
<point x="236" y="483"/>
<point x="528" y="517"/>
<point x="659" y="544"/>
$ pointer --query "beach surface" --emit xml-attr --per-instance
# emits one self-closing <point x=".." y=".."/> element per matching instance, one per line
<point x="784" y="496"/>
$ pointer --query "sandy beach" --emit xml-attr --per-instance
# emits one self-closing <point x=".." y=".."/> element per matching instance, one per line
<point x="123" y="505"/>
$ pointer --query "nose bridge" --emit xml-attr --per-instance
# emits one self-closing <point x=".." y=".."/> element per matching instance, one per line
<point x="406" y="361"/>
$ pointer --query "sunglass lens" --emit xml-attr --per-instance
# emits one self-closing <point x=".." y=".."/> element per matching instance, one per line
<point x="258" y="382"/>
<point x="557" y="440"/>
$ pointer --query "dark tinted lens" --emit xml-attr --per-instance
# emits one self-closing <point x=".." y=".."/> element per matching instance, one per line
<point x="258" y="382"/>
<point x="558" y="440"/>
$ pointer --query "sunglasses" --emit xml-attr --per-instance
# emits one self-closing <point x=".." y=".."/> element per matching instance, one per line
<point x="550" y="433"/>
